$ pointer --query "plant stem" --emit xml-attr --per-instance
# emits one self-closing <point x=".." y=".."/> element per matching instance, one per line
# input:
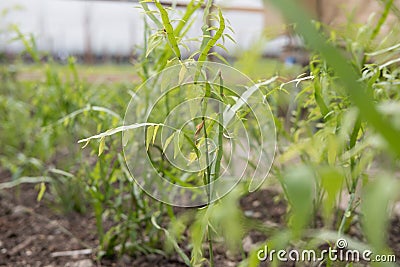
<point x="208" y="179"/>
<point x="210" y="247"/>
<point x="208" y="169"/>
<point x="344" y="218"/>
<point x="145" y="64"/>
<point x="352" y="191"/>
<point x="218" y="160"/>
<point x="220" y="129"/>
<point x="382" y="19"/>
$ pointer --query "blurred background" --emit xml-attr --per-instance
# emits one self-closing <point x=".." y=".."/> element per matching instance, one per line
<point x="102" y="31"/>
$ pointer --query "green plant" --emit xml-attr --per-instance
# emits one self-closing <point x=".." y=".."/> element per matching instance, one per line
<point x="339" y="135"/>
<point x="338" y="140"/>
<point x="49" y="115"/>
<point x="162" y="49"/>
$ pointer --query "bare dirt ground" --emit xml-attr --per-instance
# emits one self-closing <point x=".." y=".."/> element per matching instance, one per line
<point x="33" y="234"/>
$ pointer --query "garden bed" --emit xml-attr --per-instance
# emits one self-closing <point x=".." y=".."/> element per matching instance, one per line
<point x="32" y="233"/>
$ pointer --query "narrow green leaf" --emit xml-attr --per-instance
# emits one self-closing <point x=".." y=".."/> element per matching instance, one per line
<point x="382" y="19"/>
<point x="153" y="43"/>
<point x="206" y="14"/>
<point x="150" y="14"/>
<point x="172" y="240"/>
<point x="332" y="182"/>
<point x="22" y="180"/>
<point x="378" y="197"/>
<point x="176" y="145"/>
<point x="117" y="130"/>
<point x="208" y="91"/>
<point x="190" y="9"/>
<point x="219" y="57"/>
<point x="319" y="99"/>
<point x="211" y="43"/>
<point x="182" y="73"/>
<point x="299" y="185"/>
<point x="168" y="29"/>
<point x="223" y="47"/>
<point x="230" y="37"/>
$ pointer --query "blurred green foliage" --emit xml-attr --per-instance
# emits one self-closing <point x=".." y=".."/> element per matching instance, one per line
<point x="337" y="124"/>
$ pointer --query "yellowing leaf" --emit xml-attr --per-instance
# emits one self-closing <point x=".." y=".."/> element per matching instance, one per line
<point x="168" y="141"/>
<point x="154" y="42"/>
<point x="332" y="149"/>
<point x="41" y="191"/>
<point x="149" y="136"/>
<point x="182" y="73"/>
<point x="66" y="122"/>
<point x="86" y="144"/>
<point x="102" y="145"/>
<point x="155" y="132"/>
<point x="192" y="157"/>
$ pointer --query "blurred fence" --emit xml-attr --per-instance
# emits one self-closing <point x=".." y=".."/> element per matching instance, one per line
<point x="102" y="28"/>
<point x="106" y="29"/>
